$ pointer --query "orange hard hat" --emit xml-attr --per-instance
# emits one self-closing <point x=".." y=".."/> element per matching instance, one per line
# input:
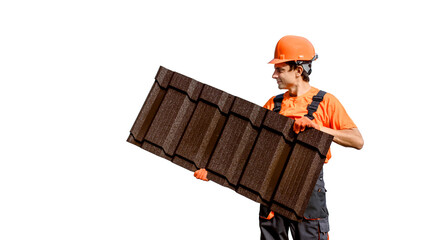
<point x="293" y="48"/>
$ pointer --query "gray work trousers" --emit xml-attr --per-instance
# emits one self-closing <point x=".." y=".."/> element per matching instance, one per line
<point x="277" y="227"/>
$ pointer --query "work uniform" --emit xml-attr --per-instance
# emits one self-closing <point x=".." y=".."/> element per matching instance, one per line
<point x="331" y="114"/>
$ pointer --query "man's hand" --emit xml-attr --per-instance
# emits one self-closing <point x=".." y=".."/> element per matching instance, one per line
<point x="201" y="174"/>
<point x="302" y="123"/>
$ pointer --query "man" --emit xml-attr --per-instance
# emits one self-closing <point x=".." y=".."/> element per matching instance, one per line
<point x="292" y="63"/>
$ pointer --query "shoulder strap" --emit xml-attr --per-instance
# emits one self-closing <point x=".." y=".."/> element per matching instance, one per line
<point x="278" y="102"/>
<point x="312" y="108"/>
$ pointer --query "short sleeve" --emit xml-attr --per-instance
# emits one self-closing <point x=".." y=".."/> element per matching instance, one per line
<point x="337" y="116"/>
<point x="270" y="104"/>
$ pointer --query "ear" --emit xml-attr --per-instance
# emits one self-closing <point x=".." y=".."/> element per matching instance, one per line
<point x="299" y="70"/>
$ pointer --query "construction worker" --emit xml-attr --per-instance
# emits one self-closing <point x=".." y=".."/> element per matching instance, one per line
<point x="309" y="107"/>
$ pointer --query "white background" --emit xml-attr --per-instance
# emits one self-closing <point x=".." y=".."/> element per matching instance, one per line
<point x="74" y="75"/>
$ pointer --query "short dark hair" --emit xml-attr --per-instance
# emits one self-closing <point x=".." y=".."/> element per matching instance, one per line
<point x="293" y="65"/>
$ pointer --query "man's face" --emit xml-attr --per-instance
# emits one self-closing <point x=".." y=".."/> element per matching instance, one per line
<point x="285" y="78"/>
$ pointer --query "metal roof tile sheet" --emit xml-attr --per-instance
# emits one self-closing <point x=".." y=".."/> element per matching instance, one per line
<point x="243" y="146"/>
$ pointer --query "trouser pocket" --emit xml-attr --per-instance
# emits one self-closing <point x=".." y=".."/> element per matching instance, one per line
<point x="323" y="228"/>
<point x="317" y="203"/>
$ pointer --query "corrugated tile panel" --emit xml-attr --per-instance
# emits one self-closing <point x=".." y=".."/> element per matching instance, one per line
<point x="243" y="146"/>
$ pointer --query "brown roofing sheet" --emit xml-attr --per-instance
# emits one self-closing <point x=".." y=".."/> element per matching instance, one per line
<point x="243" y="146"/>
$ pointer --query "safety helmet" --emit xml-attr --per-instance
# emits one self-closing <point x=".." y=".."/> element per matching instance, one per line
<point x="294" y="48"/>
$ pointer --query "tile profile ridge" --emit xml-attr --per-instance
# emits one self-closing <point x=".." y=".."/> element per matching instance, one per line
<point x="165" y="84"/>
<point x="134" y="138"/>
<point x="213" y="104"/>
<point x="309" y="135"/>
<point x="255" y="126"/>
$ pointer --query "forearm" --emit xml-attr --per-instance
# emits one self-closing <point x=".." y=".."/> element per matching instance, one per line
<point x="346" y="137"/>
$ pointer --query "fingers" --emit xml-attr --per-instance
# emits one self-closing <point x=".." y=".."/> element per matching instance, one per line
<point x="297" y="128"/>
<point x="302" y="123"/>
<point x="197" y="174"/>
<point x="201" y="174"/>
<point x="299" y="125"/>
<point x="303" y="127"/>
<point x="204" y="176"/>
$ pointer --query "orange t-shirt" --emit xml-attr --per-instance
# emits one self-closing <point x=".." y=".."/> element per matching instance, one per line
<point x="330" y="113"/>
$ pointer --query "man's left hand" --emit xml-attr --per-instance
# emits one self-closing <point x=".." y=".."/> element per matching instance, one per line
<point x="302" y="123"/>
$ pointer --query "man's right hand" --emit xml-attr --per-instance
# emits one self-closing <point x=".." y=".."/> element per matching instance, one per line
<point x="201" y="174"/>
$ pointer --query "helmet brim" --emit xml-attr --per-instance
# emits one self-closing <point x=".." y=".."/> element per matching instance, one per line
<point x="276" y="61"/>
